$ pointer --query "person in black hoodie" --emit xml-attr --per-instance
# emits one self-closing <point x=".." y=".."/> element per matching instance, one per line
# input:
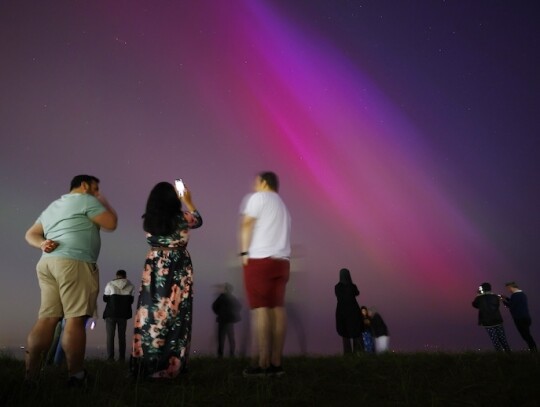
<point x="490" y="317"/>
<point x="227" y="309"/>
<point x="118" y="296"/>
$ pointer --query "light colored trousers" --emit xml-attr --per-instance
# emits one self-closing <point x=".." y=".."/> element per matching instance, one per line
<point x="381" y="344"/>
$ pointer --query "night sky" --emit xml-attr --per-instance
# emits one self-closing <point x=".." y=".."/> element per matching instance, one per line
<point x="405" y="134"/>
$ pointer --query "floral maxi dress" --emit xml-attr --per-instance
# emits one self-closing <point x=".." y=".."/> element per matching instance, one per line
<point x="163" y="319"/>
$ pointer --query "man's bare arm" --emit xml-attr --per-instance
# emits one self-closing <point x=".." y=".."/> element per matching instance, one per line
<point x="35" y="236"/>
<point x="246" y="231"/>
<point x="107" y="220"/>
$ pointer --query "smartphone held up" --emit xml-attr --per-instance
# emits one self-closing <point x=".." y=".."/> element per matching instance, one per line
<point x="180" y="187"/>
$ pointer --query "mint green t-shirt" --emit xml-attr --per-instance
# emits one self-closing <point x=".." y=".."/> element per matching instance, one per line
<point x="68" y="222"/>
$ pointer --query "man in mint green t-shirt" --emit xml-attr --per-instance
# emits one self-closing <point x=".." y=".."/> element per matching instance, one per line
<point x="67" y="232"/>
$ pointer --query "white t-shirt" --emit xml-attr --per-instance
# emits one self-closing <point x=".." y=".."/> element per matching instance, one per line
<point x="272" y="229"/>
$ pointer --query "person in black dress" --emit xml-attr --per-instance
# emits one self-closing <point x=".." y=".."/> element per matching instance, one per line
<point x="348" y="316"/>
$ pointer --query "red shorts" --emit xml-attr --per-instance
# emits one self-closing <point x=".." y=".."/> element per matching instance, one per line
<point x="265" y="281"/>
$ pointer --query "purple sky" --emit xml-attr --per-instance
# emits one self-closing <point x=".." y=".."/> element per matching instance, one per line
<point x="405" y="134"/>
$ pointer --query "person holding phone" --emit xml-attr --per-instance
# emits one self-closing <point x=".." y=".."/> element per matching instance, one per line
<point x="163" y="319"/>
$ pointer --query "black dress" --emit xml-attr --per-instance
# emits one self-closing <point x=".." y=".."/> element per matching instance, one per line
<point x="348" y="316"/>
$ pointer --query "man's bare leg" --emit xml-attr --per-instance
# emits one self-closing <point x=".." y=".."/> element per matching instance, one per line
<point x="261" y="323"/>
<point x="74" y="343"/>
<point x="38" y="342"/>
<point x="278" y="331"/>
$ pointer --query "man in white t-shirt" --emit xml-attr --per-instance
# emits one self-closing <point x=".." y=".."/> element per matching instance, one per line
<point x="265" y="250"/>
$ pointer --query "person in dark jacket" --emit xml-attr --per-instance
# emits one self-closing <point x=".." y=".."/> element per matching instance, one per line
<point x="227" y="309"/>
<point x="118" y="297"/>
<point x="379" y="331"/>
<point x="348" y="316"/>
<point x="519" y="308"/>
<point x="490" y="317"/>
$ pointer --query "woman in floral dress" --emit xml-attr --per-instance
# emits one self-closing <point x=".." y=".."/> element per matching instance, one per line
<point x="164" y="310"/>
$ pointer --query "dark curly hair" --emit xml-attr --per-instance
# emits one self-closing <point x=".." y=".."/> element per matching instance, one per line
<point x="77" y="181"/>
<point x="163" y="210"/>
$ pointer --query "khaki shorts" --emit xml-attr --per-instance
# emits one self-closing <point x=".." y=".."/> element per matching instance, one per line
<point x="69" y="288"/>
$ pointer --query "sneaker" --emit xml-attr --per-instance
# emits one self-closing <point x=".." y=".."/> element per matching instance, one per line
<point x="275" y="371"/>
<point x="255" y="372"/>
<point x="74" y="381"/>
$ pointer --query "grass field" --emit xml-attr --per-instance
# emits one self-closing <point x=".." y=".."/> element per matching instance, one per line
<point x="406" y="379"/>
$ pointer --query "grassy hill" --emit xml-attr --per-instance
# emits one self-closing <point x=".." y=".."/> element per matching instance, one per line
<point x="419" y="379"/>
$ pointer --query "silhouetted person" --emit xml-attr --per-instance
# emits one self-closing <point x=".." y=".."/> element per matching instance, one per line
<point x="490" y="317"/>
<point x="67" y="233"/>
<point x="519" y="308"/>
<point x="227" y="309"/>
<point x="118" y="296"/>
<point x="348" y="317"/>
